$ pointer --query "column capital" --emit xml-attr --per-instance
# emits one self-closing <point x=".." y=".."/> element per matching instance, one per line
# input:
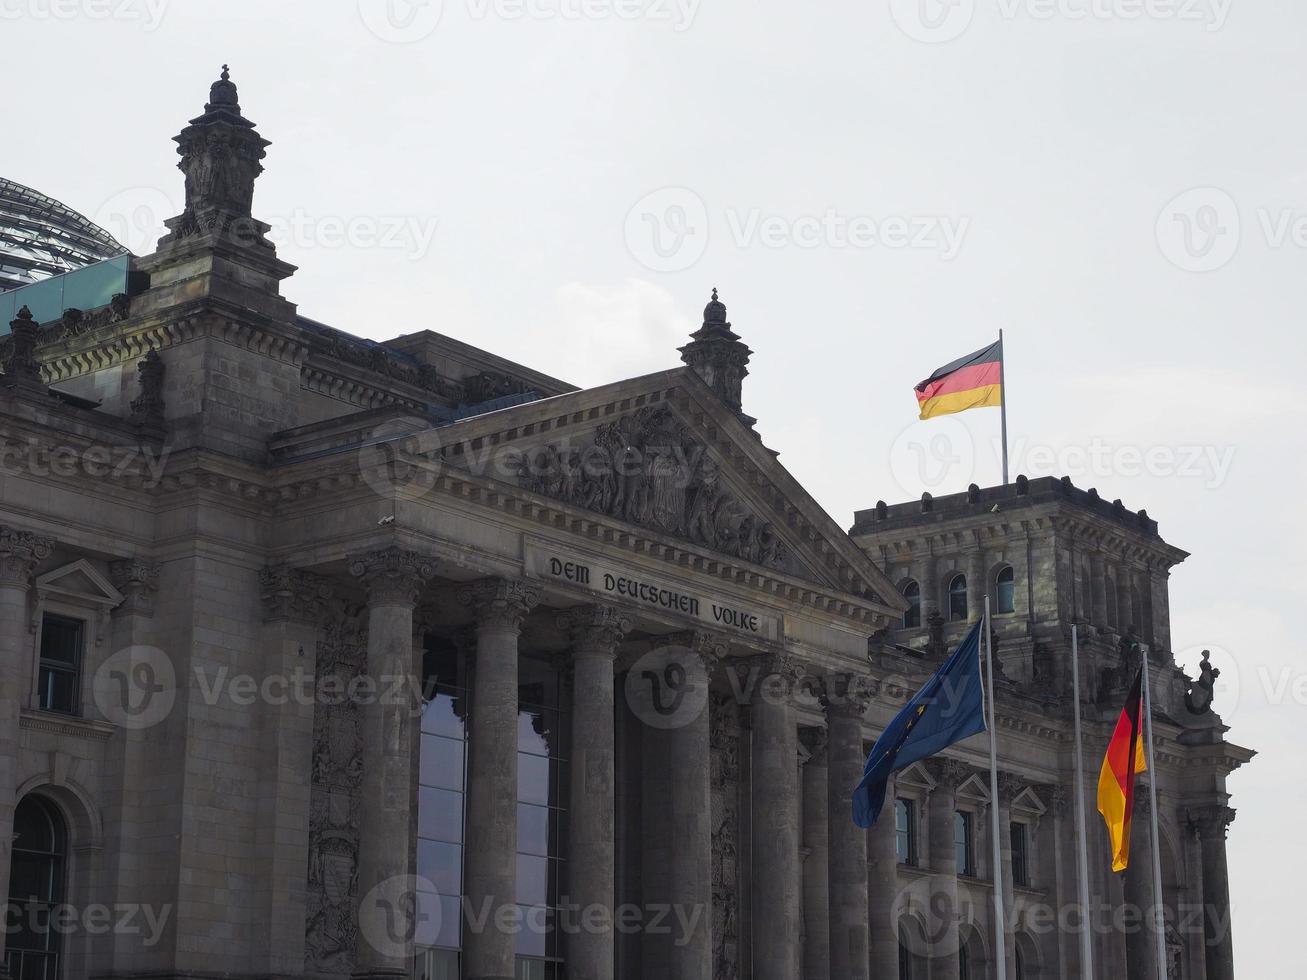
<point x="711" y="647"/>
<point x="595" y="628"/>
<point x="393" y="576"/>
<point x="1211" y="822"/>
<point x="292" y="595"/>
<point x="138" y="581"/>
<point x="948" y="774"/>
<point x="1010" y="786"/>
<point x="813" y="740"/>
<point x="20" y="552"/>
<point x="500" y="602"/>
<point x="847" y="695"/>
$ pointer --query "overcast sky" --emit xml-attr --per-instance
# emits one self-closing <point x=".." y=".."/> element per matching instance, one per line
<point x="876" y="188"/>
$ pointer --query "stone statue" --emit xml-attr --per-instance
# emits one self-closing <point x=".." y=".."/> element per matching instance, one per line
<point x="1198" y="698"/>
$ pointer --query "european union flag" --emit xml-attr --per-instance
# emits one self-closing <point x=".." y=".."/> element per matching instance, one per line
<point x="949" y="708"/>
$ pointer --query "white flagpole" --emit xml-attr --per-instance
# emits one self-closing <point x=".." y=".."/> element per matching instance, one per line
<point x="1002" y="398"/>
<point x="1152" y="798"/>
<point x="1000" y="925"/>
<point x="1082" y="835"/>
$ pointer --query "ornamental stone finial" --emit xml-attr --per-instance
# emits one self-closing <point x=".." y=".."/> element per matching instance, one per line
<point x="138" y="580"/>
<point x="22" y="365"/>
<point x="221" y="156"/>
<point x="293" y="595"/>
<point x="717" y="354"/>
<point x="595" y="628"/>
<point x="500" y="603"/>
<point x="20" y="553"/>
<point x="392" y="576"/>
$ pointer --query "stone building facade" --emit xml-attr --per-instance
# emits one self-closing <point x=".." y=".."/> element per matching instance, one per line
<point x="328" y="658"/>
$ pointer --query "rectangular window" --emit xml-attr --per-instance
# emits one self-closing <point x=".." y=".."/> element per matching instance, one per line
<point x="1020" y="855"/>
<point x="62" y="640"/>
<point x="962" y="844"/>
<point x="905" y="831"/>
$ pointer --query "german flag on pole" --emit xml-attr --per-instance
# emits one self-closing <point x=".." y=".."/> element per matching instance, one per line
<point x="974" y="381"/>
<point x="1116" y="781"/>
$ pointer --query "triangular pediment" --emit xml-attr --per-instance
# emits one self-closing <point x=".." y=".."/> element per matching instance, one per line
<point x="664" y="455"/>
<point x="79" y="580"/>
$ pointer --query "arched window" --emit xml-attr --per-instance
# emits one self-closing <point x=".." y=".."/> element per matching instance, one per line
<point x="957" y="598"/>
<point x="1021" y="965"/>
<point x="1007" y="590"/>
<point x="36" y="886"/>
<point x="912" y="618"/>
<point x="905" y="958"/>
<point x="964" y="962"/>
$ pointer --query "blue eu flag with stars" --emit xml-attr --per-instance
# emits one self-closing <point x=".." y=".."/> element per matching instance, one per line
<point x="947" y="709"/>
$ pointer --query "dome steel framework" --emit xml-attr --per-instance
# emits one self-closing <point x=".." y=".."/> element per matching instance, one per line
<point x="40" y="237"/>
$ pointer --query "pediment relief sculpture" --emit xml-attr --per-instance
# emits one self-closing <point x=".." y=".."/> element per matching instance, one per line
<point x="646" y="469"/>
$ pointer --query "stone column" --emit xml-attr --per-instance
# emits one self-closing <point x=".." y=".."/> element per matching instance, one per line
<point x="1212" y="823"/>
<point x="1161" y="607"/>
<point x="977" y="584"/>
<point x="1098" y="589"/>
<point x="1010" y="786"/>
<point x="393" y="578"/>
<point x="845" y="700"/>
<point x="775" y="822"/>
<point x="816" y="871"/>
<point x="20" y="553"/>
<point x="883" y="891"/>
<point x="690" y="956"/>
<point x="942" y="935"/>
<point x="490" y="837"/>
<point x="595" y="631"/>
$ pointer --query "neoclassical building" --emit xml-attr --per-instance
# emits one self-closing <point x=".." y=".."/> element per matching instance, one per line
<point x="332" y="658"/>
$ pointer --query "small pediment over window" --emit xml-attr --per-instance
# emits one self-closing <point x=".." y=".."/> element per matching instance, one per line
<point x="80" y="582"/>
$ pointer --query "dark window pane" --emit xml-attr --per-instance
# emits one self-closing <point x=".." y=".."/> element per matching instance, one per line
<point x="1006" y="590"/>
<point x="536" y="925"/>
<point x="912" y="618"/>
<point x="61" y="640"/>
<point x="442" y="762"/>
<point x="957" y="598"/>
<point x="536" y="729"/>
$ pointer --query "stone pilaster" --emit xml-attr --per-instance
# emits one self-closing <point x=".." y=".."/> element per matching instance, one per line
<point x="948" y="774"/>
<point x="928" y="579"/>
<point x="490" y="849"/>
<point x="1010" y="786"/>
<point x="393" y="578"/>
<point x="1212" y="823"/>
<point x="596" y="631"/>
<point x="816" y="868"/>
<point x="20" y="553"/>
<point x="977" y="584"/>
<point x="1098" y="589"/>
<point x="294" y="606"/>
<point x="845" y="701"/>
<point x="775" y="821"/>
<point x="883" y="889"/>
<point x="1125" y="608"/>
